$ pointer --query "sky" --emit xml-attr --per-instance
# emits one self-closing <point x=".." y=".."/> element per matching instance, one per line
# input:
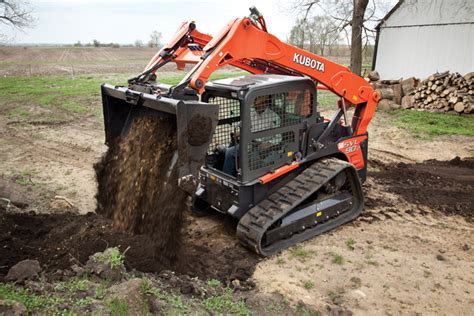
<point x="125" y="21"/>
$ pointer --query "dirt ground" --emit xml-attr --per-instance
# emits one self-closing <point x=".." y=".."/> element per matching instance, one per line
<point x="410" y="252"/>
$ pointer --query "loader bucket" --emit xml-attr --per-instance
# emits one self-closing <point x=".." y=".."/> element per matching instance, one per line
<point x="195" y="122"/>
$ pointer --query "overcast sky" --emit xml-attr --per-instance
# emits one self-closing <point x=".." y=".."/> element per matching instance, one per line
<point x="124" y="21"/>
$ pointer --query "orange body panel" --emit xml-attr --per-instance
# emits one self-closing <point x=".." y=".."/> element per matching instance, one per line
<point x="351" y="148"/>
<point x="278" y="172"/>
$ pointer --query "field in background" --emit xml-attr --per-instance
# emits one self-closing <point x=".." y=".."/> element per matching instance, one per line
<point x="40" y="61"/>
<point x="33" y="61"/>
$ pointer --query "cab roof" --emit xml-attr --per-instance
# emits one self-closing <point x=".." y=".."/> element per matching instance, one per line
<point x="253" y="81"/>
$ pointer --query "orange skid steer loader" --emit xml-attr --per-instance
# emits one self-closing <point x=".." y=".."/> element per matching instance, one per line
<point x="255" y="147"/>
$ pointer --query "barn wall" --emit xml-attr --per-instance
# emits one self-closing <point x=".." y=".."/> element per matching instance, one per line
<point x="421" y="51"/>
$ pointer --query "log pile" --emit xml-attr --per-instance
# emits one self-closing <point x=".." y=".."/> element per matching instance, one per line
<point x="440" y="92"/>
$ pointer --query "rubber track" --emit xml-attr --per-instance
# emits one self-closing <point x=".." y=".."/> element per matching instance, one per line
<point x="253" y="225"/>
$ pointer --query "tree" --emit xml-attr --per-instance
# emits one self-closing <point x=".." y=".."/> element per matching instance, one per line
<point x="16" y="13"/>
<point x="95" y="43"/>
<point x="355" y="19"/>
<point x="297" y="33"/>
<point x="138" y="43"/>
<point x="356" y="35"/>
<point x="155" y="39"/>
<point x="315" y="34"/>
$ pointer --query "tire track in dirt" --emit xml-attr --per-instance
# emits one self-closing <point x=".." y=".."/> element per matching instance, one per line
<point x="419" y="191"/>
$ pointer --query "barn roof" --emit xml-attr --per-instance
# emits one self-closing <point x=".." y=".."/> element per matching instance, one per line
<point x="408" y="13"/>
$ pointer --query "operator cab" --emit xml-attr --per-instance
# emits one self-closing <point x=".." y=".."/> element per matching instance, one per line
<point x="262" y="123"/>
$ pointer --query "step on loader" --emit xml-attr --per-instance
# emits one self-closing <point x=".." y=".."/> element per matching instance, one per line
<point x="255" y="146"/>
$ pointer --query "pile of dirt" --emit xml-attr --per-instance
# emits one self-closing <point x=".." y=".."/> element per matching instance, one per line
<point x="209" y="248"/>
<point x="138" y="184"/>
<point x="445" y="186"/>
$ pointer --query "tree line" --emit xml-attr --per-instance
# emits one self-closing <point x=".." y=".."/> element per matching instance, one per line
<point x="155" y="41"/>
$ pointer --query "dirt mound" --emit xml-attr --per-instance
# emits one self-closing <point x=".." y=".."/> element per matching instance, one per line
<point x="209" y="247"/>
<point x="444" y="186"/>
<point x="137" y="184"/>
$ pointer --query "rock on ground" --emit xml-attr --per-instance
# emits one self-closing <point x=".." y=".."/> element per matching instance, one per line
<point x="11" y="308"/>
<point x="99" y="266"/>
<point x="128" y="292"/>
<point x="24" y="270"/>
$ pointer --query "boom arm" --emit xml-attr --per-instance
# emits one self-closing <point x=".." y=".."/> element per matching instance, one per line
<point x="244" y="43"/>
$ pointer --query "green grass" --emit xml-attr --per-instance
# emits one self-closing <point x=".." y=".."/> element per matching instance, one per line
<point x="111" y="256"/>
<point x="32" y="301"/>
<point x="147" y="289"/>
<point x="327" y="101"/>
<point x="280" y="261"/>
<point x="117" y="307"/>
<point x="301" y="254"/>
<point x="308" y="285"/>
<point x="433" y="124"/>
<point x="350" y="243"/>
<point x="276" y="307"/>
<point x="213" y="282"/>
<point x="18" y="113"/>
<point x="337" y="258"/>
<point x="74" y="285"/>
<point x="78" y="95"/>
<point x="101" y="290"/>
<point x="225" y="303"/>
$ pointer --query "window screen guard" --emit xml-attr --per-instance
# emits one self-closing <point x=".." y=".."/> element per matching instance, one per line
<point x="281" y="112"/>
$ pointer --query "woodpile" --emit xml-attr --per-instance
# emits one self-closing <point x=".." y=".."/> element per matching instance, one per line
<point x="440" y="92"/>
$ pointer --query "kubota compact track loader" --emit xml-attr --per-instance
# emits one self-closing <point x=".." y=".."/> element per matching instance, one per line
<point x="293" y="173"/>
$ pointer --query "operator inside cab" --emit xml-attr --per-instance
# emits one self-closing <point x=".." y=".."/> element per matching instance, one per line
<point x="262" y="118"/>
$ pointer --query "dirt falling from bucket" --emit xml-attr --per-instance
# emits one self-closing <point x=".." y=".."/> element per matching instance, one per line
<point x="137" y="183"/>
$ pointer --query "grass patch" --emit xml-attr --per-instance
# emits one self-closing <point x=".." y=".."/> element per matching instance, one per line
<point x="337" y="258"/>
<point x="280" y="261"/>
<point x="111" y="256"/>
<point x="213" y="283"/>
<point x="83" y="301"/>
<point x="117" y="307"/>
<point x="31" y="300"/>
<point x="433" y="124"/>
<point x="301" y="254"/>
<point x="350" y="243"/>
<point x="74" y="107"/>
<point x="327" y="101"/>
<point x="78" y="95"/>
<point x="74" y="285"/>
<point x="101" y="291"/>
<point x="147" y="289"/>
<point x="225" y="303"/>
<point x="308" y="285"/>
<point x="277" y="306"/>
<point x="18" y="113"/>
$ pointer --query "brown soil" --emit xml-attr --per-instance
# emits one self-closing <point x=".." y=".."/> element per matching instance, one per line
<point x="137" y="184"/>
<point x="445" y="186"/>
<point x="59" y="240"/>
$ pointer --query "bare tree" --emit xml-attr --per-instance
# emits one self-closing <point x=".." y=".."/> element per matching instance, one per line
<point x="155" y="39"/>
<point x="16" y="13"/>
<point x="355" y="20"/>
<point x="138" y="43"/>
<point x="297" y="34"/>
<point x="315" y="34"/>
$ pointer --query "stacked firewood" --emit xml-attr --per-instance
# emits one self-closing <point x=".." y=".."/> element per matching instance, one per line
<point x="440" y="92"/>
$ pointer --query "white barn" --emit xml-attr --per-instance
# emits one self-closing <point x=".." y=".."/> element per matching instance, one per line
<point x="420" y="37"/>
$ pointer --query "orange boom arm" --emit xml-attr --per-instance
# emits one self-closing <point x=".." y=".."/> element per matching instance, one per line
<point x="245" y="43"/>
